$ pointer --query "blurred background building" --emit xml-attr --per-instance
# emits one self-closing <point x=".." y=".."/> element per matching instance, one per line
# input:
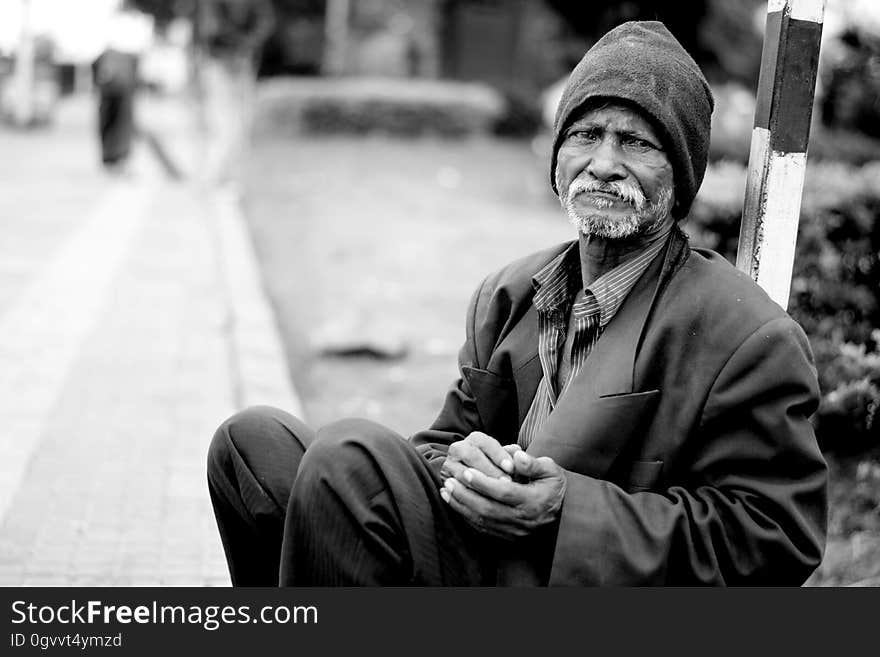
<point x="519" y="48"/>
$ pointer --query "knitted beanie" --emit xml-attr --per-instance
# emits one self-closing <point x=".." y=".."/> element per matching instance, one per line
<point x="642" y="64"/>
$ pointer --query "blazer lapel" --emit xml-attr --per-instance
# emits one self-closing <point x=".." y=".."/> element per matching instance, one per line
<point x="599" y="412"/>
<point x="525" y="365"/>
<point x="517" y="355"/>
<point x="609" y="368"/>
<point x="504" y="391"/>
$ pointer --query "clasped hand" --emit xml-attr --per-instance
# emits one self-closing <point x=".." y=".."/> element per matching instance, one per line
<point x="500" y="489"/>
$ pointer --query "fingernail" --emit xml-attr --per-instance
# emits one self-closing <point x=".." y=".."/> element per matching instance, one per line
<point x="449" y="484"/>
<point x="468" y="475"/>
<point x="444" y="495"/>
<point x="505" y="478"/>
<point x="507" y="464"/>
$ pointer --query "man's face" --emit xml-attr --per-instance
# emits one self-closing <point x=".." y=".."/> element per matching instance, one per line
<point x="613" y="176"/>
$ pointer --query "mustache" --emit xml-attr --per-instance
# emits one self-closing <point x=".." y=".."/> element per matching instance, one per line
<point x="624" y="191"/>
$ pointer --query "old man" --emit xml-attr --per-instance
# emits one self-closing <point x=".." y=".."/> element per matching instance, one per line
<point x="630" y="410"/>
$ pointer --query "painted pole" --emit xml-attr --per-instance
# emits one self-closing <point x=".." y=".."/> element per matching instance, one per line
<point x="778" y="156"/>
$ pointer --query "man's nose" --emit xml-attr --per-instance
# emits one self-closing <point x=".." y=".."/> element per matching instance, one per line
<point x="605" y="163"/>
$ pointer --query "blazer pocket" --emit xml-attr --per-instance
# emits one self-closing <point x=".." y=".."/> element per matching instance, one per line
<point x="643" y="476"/>
<point x="495" y="399"/>
<point x="588" y="436"/>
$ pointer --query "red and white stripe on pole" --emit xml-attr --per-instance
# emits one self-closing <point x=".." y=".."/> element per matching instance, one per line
<point x="778" y="156"/>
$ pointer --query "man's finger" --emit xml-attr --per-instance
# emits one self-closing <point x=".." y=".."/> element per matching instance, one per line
<point x="500" y="490"/>
<point x="458" y="471"/>
<point x="470" y="517"/>
<point x="484" y="514"/>
<point x="493" y="450"/>
<point x="470" y="454"/>
<point x="452" y="468"/>
<point x="452" y="494"/>
<point x="534" y="468"/>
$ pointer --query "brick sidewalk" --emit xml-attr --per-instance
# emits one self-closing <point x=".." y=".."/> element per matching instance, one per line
<point x="121" y="348"/>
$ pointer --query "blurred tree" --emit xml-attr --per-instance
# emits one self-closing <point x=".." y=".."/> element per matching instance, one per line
<point x="296" y="45"/>
<point x="293" y="44"/>
<point x="164" y="11"/>
<point x="720" y="35"/>
<point x="731" y="35"/>
<point x="595" y="18"/>
<point x="234" y="28"/>
<point x="851" y="97"/>
<point x="229" y="35"/>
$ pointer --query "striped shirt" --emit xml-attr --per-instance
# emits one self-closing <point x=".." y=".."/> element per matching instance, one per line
<point x="571" y="320"/>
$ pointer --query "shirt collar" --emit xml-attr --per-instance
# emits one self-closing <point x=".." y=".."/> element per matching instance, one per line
<point x="560" y="279"/>
<point x="556" y="282"/>
<point x="613" y="286"/>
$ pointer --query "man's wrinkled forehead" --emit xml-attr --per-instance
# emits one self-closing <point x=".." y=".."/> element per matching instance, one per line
<point x="593" y="105"/>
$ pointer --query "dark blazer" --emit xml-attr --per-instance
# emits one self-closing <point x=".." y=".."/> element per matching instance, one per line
<point x="685" y="437"/>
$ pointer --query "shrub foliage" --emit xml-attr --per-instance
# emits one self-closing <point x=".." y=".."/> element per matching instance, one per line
<point x="835" y="292"/>
<point x="365" y="106"/>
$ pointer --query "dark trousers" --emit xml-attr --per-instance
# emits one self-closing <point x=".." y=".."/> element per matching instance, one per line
<point x="351" y="504"/>
<point x="116" y="125"/>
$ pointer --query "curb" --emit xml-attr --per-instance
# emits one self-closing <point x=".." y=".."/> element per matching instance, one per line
<point x="257" y="356"/>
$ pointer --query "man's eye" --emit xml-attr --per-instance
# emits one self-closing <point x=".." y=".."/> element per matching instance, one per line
<point x="584" y="135"/>
<point x="637" y="143"/>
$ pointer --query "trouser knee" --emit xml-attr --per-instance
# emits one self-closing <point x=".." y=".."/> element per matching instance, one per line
<point x="240" y="433"/>
<point x="260" y="445"/>
<point x="351" y="452"/>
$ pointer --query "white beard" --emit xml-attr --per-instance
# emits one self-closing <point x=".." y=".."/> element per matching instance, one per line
<point x="643" y="218"/>
<point x="600" y="225"/>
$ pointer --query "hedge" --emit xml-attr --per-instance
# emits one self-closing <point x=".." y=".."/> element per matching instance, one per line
<point x="362" y="106"/>
<point x="835" y="292"/>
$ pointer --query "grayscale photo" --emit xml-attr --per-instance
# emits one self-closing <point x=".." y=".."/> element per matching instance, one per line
<point x="435" y="293"/>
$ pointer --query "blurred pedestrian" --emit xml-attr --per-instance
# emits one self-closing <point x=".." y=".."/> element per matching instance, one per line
<point x="116" y="77"/>
<point x="115" y="74"/>
<point x="230" y="34"/>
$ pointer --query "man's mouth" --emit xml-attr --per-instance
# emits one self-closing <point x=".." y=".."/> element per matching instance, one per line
<point x="609" y="195"/>
<point x="605" y="198"/>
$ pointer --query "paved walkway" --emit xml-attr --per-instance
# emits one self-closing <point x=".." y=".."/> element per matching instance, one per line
<point x="132" y="321"/>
